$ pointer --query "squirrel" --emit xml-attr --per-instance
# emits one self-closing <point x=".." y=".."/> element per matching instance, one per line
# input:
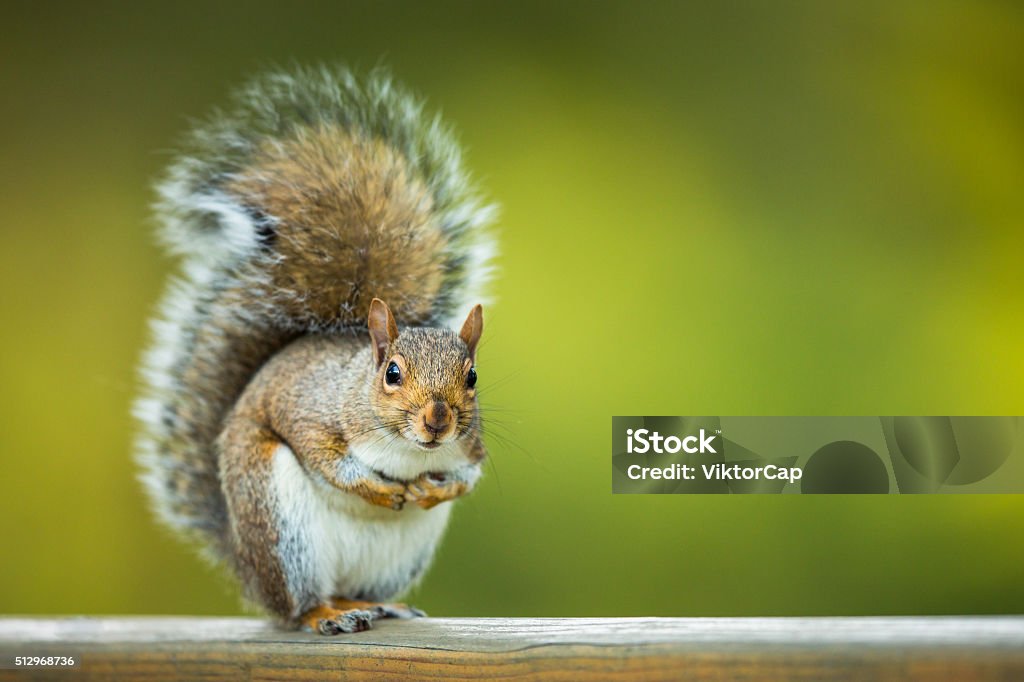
<point x="303" y="431"/>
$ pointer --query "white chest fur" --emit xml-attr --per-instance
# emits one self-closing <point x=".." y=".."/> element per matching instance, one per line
<point x="336" y="544"/>
<point x="403" y="461"/>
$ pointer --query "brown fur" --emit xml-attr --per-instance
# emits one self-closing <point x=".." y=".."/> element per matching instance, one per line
<point x="291" y="209"/>
<point x="471" y="330"/>
<point x="350" y="222"/>
<point x="353" y="222"/>
<point x="437" y="375"/>
<point x="246" y="449"/>
<point x="317" y="396"/>
<point x="429" y="491"/>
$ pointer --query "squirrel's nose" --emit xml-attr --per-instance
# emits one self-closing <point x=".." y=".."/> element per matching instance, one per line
<point x="437" y="418"/>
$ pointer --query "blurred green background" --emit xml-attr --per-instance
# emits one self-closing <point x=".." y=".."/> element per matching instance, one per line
<point x="708" y="208"/>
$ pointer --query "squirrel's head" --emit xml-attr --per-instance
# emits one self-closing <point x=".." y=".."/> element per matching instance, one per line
<point x="424" y="387"/>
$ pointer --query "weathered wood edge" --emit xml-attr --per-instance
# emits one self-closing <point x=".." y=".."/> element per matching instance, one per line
<point x="509" y="634"/>
<point x="935" y="648"/>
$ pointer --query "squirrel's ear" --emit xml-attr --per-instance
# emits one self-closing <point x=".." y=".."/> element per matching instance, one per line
<point x="383" y="329"/>
<point x="472" y="328"/>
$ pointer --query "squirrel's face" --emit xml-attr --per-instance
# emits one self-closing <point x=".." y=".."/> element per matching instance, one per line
<point x="424" y="388"/>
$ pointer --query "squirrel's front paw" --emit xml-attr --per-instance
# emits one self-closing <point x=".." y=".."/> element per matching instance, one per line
<point x="390" y="494"/>
<point x="431" y="489"/>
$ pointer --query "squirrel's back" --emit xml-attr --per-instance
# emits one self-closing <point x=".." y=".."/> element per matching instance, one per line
<point x="291" y="211"/>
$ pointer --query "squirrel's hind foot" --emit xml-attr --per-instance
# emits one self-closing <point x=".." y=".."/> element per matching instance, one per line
<point x="326" y="620"/>
<point x="353" y="616"/>
<point x="380" y="610"/>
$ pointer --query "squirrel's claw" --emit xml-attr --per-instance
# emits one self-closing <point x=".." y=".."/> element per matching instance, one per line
<point x="379" y="610"/>
<point x="350" y="621"/>
<point x="403" y="611"/>
<point x="326" y="620"/>
<point x="430" y="490"/>
<point x="390" y="494"/>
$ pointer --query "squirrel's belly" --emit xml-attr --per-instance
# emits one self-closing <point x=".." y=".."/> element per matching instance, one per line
<point x="337" y="544"/>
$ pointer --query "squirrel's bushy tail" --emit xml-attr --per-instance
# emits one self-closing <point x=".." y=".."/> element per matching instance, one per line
<point x="313" y="194"/>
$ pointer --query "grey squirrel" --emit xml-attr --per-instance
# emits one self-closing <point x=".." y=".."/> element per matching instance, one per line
<point x="301" y="429"/>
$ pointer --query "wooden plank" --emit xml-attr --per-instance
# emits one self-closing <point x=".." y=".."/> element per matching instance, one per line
<point x="940" y="648"/>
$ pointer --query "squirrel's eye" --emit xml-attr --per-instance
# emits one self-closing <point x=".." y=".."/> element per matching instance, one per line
<point x="393" y="375"/>
<point x="471" y="378"/>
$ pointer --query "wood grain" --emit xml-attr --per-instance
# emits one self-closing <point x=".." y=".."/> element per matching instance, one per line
<point x="939" y="648"/>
